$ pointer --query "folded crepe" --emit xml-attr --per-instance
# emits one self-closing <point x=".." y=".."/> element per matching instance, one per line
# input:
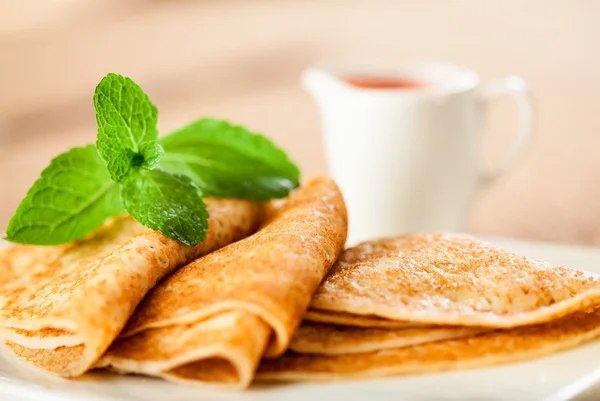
<point x="437" y="280"/>
<point x="61" y="307"/>
<point x="212" y="320"/>
<point x="497" y="347"/>
<point x="449" y="279"/>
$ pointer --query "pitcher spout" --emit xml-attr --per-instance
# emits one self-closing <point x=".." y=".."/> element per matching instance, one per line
<point x="322" y="83"/>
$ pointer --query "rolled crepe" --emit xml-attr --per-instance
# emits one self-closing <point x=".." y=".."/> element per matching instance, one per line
<point x="212" y="320"/>
<point x="61" y="307"/>
<point x="449" y="279"/>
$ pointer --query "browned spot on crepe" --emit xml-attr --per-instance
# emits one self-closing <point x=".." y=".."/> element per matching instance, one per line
<point x="452" y="279"/>
<point x="269" y="276"/>
<point x="84" y="292"/>
<point x="493" y="348"/>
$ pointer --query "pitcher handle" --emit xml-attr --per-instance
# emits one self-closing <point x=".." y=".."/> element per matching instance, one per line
<point x="517" y="88"/>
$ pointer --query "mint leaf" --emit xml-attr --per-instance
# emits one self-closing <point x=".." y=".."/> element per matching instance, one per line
<point x="226" y="160"/>
<point x="126" y="119"/>
<point x="167" y="203"/>
<point x="73" y="196"/>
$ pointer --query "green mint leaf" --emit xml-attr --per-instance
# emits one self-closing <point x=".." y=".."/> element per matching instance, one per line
<point x="226" y="160"/>
<point x="126" y="119"/>
<point x="167" y="203"/>
<point x="73" y="196"/>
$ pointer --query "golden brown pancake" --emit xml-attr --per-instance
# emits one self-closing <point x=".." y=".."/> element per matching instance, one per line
<point x="497" y="347"/>
<point x="348" y="319"/>
<point x="265" y="281"/>
<point x="448" y="279"/>
<point x="61" y="307"/>
<point x="327" y="339"/>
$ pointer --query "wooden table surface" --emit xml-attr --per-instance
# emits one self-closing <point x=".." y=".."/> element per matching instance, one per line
<point x="242" y="59"/>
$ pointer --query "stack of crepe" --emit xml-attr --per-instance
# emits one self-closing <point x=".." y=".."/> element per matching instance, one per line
<point x="284" y="302"/>
<point x="434" y="302"/>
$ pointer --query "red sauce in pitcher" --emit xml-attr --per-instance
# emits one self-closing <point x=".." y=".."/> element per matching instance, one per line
<point x="374" y="82"/>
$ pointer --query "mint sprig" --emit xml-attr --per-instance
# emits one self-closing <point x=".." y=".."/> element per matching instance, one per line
<point x="83" y="187"/>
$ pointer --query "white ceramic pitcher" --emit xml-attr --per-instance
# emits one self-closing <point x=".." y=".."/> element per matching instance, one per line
<point x="409" y="160"/>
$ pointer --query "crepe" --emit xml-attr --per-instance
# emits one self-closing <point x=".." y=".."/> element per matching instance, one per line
<point x="327" y="339"/>
<point x="247" y="298"/>
<point x="493" y="348"/>
<point x="61" y="307"/>
<point x="448" y="279"/>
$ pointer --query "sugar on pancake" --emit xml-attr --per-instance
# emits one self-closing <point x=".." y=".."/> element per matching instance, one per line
<point x="450" y="279"/>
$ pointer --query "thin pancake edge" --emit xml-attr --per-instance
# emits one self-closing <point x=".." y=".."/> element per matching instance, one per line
<point x="349" y="319"/>
<point x="327" y="339"/>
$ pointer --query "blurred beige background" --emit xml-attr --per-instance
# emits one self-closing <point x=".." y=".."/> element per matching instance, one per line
<point x="241" y="60"/>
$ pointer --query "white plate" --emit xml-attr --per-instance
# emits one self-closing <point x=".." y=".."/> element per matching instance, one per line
<point x="535" y="380"/>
